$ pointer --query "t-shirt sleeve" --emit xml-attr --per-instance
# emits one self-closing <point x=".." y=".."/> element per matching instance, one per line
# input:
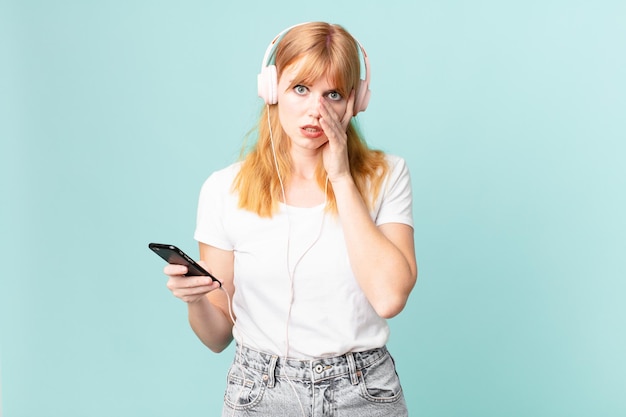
<point x="396" y="200"/>
<point x="210" y="217"/>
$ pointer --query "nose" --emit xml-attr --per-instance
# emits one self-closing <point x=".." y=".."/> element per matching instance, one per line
<point x="313" y="109"/>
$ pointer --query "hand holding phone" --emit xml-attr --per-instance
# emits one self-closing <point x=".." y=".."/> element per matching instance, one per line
<point x="173" y="255"/>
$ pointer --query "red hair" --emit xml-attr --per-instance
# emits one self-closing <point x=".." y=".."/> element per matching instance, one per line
<point x="331" y="52"/>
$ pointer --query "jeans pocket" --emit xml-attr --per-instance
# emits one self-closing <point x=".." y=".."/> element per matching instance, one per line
<point x="380" y="382"/>
<point x="245" y="387"/>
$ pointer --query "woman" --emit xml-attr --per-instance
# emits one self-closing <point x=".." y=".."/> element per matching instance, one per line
<point x="311" y="235"/>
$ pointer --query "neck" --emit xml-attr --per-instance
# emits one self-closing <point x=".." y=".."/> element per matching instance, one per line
<point x="304" y="166"/>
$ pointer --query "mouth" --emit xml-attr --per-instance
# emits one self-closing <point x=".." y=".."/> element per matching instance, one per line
<point x="311" y="132"/>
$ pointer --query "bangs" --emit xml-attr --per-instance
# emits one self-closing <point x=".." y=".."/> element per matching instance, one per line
<point x="321" y="51"/>
<point x="316" y="67"/>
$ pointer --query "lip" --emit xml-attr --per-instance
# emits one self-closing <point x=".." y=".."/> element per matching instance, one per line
<point x="311" y="132"/>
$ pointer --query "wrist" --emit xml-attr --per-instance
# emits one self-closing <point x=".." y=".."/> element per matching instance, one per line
<point x="197" y="302"/>
<point x="339" y="181"/>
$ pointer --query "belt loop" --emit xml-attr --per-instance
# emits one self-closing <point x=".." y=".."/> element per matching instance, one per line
<point x="354" y="378"/>
<point x="271" y="372"/>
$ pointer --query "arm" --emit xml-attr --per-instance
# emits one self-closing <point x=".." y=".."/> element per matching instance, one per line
<point x="382" y="258"/>
<point x="208" y="309"/>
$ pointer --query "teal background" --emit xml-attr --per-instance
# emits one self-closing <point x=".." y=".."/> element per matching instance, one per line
<point x="511" y="115"/>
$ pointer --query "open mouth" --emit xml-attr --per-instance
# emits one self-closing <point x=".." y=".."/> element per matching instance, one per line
<point x="312" y="131"/>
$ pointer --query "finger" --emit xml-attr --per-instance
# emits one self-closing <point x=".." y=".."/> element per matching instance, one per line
<point x="194" y="281"/>
<point x="327" y="112"/>
<point x="191" y="296"/>
<point x="330" y="121"/>
<point x="193" y="291"/>
<point x="349" y="110"/>
<point x="331" y="129"/>
<point x="175" y="270"/>
<point x="192" y="285"/>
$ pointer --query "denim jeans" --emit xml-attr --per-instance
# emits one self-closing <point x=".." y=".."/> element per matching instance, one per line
<point x="360" y="384"/>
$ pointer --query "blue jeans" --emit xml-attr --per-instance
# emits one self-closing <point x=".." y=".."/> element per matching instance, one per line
<point x="360" y="384"/>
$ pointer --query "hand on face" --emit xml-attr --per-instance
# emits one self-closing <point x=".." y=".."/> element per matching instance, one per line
<point x="335" y="151"/>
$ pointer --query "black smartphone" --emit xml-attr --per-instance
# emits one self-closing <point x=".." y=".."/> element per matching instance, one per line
<point x="174" y="255"/>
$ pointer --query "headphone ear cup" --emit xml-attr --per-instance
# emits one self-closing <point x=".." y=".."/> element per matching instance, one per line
<point x="267" y="86"/>
<point x="363" y="97"/>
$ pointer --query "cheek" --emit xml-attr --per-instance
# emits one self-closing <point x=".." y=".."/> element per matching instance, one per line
<point x="286" y="116"/>
<point x="282" y="117"/>
<point x="340" y="108"/>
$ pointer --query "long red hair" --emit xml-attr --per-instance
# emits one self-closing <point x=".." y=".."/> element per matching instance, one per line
<point x="330" y="51"/>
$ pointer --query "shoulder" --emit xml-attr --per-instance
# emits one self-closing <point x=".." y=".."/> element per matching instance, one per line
<point x="223" y="178"/>
<point x="394" y="203"/>
<point x="397" y="166"/>
<point x="394" y="160"/>
<point x="397" y="181"/>
<point x="228" y="172"/>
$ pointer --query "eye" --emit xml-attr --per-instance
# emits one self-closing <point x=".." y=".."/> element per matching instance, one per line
<point x="300" y="89"/>
<point x="334" y="96"/>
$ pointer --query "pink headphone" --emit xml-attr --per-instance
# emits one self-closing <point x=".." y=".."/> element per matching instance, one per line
<point x="267" y="80"/>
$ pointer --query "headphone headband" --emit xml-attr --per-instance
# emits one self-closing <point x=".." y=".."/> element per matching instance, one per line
<point x="267" y="79"/>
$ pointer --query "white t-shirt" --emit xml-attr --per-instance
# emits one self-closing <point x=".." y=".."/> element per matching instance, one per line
<point x="330" y="315"/>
